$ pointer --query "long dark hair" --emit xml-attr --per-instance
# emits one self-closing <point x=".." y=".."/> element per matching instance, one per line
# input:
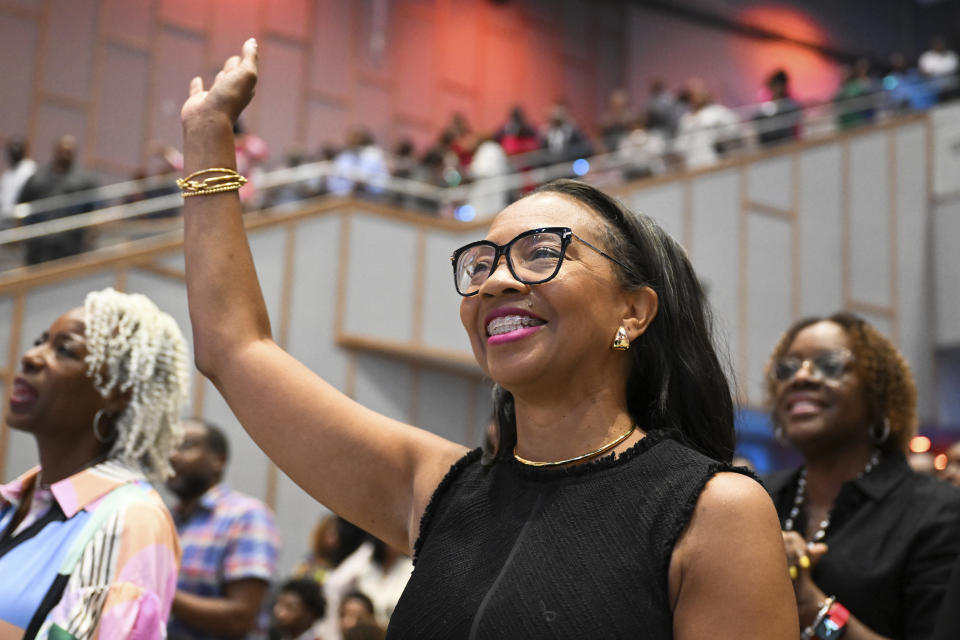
<point x="676" y="380"/>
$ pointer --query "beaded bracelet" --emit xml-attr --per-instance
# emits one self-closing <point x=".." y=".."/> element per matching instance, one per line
<point x="821" y="614"/>
<point x="227" y="180"/>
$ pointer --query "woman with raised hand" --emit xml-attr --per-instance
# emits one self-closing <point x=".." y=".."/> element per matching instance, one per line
<point x="87" y="547"/>
<point x="609" y="509"/>
<point x="870" y="543"/>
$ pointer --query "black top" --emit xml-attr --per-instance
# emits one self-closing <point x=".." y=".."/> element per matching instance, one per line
<point x="893" y="538"/>
<point x="511" y="551"/>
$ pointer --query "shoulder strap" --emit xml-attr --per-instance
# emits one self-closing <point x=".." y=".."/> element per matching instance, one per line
<point x="114" y="502"/>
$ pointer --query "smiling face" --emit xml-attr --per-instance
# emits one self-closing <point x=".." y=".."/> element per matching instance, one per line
<point x="53" y="395"/>
<point x="813" y="410"/>
<point x="557" y="331"/>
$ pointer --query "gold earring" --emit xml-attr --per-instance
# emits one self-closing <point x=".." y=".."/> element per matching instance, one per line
<point x="621" y="342"/>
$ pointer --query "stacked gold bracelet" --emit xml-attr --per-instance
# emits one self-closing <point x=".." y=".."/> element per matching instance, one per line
<point x="220" y="181"/>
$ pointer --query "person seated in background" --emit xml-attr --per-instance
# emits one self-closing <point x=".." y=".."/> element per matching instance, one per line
<point x="707" y="130"/>
<point x="855" y="100"/>
<point x="87" y="547"/>
<point x="941" y="65"/>
<point x="907" y="88"/>
<point x="365" y="631"/>
<point x="779" y="117"/>
<point x="616" y="121"/>
<point x="376" y="569"/>
<point x="229" y="540"/>
<point x="20" y="167"/>
<point x="61" y="177"/>
<point x="324" y="544"/>
<point x="563" y="140"/>
<point x="298" y="606"/>
<point x="356" y="608"/>
<point x="870" y="544"/>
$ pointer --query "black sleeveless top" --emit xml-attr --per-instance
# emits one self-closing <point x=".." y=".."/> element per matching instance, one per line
<point x="510" y="551"/>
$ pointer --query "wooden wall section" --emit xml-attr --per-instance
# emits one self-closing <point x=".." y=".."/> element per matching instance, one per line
<point x="115" y="72"/>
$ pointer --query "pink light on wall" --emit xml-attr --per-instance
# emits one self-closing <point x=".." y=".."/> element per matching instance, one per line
<point x="813" y="76"/>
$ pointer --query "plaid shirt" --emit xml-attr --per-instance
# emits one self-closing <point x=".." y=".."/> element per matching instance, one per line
<point x="230" y="536"/>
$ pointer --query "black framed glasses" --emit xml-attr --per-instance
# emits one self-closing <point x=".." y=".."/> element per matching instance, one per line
<point x="533" y="257"/>
<point x="829" y="365"/>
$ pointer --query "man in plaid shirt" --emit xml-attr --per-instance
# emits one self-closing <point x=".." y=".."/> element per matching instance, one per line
<point x="229" y="541"/>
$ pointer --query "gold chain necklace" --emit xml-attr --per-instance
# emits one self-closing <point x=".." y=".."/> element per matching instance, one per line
<point x="557" y="463"/>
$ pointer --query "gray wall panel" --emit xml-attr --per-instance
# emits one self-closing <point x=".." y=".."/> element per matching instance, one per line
<point x="443" y="405"/>
<point x="297" y="514"/>
<point x="67" y="68"/>
<point x="441" y="303"/>
<point x="384" y="386"/>
<point x="715" y="250"/>
<point x="312" y="314"/>
<point x="268" y="249"/>
<point x="869" y="223"/>
<point x="819" y="226"/>
<point x="6" y="313"/>
<point x="769" y="302"/>
<point x="379" y="280"/>
<point x="769" y="182"/>
<point x="18" y="42"/>
<point x="665" y="205"/>
<point x="915" y="335"/>
<point x="946" y="230"/>
<point x="247" y="467"/>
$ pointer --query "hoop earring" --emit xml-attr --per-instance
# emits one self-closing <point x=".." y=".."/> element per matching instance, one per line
<point x="621" y="342"/>
<point x="96" y="428"/>
<point x="880" y="438"/>
<point x="778" y="435"/>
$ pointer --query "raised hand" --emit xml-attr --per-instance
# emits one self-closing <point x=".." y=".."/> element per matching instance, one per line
<point x="230" y="92"/>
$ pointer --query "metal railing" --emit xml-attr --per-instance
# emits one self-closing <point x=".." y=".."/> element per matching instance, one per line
<point x="116" y="203"/>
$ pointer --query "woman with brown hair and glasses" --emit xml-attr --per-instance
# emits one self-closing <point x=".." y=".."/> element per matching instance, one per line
<point x="610" y="509"/>
<point x="870" y="544"/>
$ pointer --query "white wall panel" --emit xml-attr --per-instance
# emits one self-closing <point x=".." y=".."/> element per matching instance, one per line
<point x="297" y="514"/>
<point x="383" y="385"/>
<point x="665" y="205"/>
<point x="312" y="314"/>
<point x="443" y="405"/>
<point x="6" y="316"/>
<point x="715" y="249"/>
<point x="769" y="182"/>
<point x="379" y="280"/>
<point x="946" y="231"/>
<point x="915" y="322"/>
<point x="869" y="224"/>
<point x="769" y="298"/>
<point x="441" y="303"/>
<point x="247" y="467"/>
<point x="268" y="249"/>
<point x="819" y="225"/>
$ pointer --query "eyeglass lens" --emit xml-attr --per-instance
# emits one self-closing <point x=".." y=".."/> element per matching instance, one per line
<point x="829" y="365"/>
<point x="532" y="259"/>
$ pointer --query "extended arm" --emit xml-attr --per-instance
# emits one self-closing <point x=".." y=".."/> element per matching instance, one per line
<point x="234" y="615"/>
<point x="370" y="469"/>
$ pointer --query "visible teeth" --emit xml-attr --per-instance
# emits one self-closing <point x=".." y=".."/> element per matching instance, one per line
<point x="506" y="324"/>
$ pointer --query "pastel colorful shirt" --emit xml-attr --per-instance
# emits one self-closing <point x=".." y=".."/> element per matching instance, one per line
<point x="230" y="536"/>
<point x="125" y="575"/>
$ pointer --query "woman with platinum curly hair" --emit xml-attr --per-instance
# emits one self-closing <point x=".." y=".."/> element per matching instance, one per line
<point x="87" y="548"/>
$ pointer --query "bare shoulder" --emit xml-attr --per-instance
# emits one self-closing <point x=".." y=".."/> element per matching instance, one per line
<point x="729" y="564"/>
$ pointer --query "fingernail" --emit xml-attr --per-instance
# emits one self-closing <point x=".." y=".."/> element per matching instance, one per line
<point x="793" y="572"/>
<point x="804" y="562"/>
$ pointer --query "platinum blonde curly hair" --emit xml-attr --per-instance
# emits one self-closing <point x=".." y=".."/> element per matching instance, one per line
<point x="136" y="350"/>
